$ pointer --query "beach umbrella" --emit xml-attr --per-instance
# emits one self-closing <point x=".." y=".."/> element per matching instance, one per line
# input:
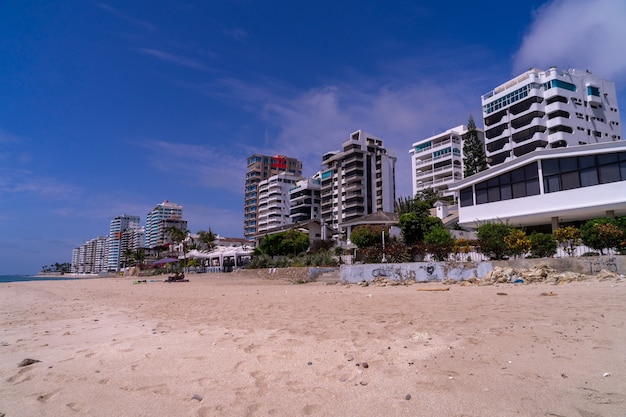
<point x="160" y="262"/>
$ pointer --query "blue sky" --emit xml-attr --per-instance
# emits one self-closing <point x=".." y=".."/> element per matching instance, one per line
<point x="111" y="107"/>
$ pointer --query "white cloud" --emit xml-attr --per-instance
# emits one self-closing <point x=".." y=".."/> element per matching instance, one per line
<point x="205" y="165"/>
<point x="581" y="34"/>
<point x="173" y="59"/>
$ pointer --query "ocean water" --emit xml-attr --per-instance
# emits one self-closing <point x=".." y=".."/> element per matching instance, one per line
<point x="20" y="278"/>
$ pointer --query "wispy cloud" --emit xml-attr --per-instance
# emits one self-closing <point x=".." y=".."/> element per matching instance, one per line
<point x="236" y="33"/>
<point x="205" y="165"/>
<point x="578" y="34"/>
<point x="118" y="13"/>
<point x="12" y="181"/>
<point x="173" y="59"/>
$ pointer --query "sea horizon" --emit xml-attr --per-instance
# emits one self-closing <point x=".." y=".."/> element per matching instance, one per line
<point x="34" y="277"/>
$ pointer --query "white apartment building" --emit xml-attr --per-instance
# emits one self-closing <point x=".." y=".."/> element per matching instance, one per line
<point x="549" y="109"/>
<point x="90" y="258"/>
<point x="273" y="207"/>
<point x="121" y="237"/>
<point x="357" y="180"/>
<point x="304" y="199"/>
<point x="437" y="161"/>
<point x="162" y="217"/>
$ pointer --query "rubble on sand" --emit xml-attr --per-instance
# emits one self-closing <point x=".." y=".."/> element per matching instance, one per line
<point x="538" y="274"/>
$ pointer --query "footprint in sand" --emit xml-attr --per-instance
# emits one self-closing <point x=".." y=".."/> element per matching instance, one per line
<point x="77" y="407"/>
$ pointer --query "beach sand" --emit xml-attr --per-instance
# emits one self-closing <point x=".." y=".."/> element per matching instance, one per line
<point x="226" y="345"/>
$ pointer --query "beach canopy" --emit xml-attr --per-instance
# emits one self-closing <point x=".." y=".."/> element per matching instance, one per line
<point x="165" y="261"/>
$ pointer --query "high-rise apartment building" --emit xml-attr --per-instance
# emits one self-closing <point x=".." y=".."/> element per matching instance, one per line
<point x="305" y="200"/>
<point x="273" y="202"/>
<point x="120" y="238"/>
<point x="437" y="161"/>
<point x="549" y="109"/>
<point x="160" y="219"/>
<point x="90" y="258"/>
<point x="259" y="168"/>
<point x="357" y="180"/>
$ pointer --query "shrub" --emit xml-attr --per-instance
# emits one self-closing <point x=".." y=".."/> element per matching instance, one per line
<point x="568" y="237"/>
<point x="367" y="235"/>
<point x="601" y="233"/>
<point x="491" y="239"/>
<point x="543" y="245"/>
<point x="517" y="242"/>
<point x="439" y="242"/>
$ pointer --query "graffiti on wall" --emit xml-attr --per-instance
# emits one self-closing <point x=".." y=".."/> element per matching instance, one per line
<point x="598" y="264"/>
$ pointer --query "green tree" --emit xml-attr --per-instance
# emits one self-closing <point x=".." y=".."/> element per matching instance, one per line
<point x="601" y="233"/>
<point x="542" y="245"/>
<point x="440" y="242"/>
<point x="416" y="223"/>
<point x="207" y="239"/>
<point x="289" y="243"/>
<point x="491" y="239"/>
<point x="367" y="235"/>
<point x="474" y="158"/>
<point x="430" y="196"/>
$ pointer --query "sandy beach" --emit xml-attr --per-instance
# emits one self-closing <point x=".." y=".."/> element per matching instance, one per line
<point x="227" y="345"/>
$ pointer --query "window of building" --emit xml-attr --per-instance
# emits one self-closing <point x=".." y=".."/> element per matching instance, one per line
<point x="574" y="172"/>
<point x="593" y="91"/>
<point x="466" y="197"/>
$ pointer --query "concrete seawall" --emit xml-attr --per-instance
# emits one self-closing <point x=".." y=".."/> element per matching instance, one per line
<point x="459" y="271"/>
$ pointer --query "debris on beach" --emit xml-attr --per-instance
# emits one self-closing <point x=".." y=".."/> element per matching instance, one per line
<point x="197" y="397"/>
<point x="27" y="362"/>
<point x="538" y="274"/>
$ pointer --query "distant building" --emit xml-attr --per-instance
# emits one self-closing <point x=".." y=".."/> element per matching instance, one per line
<point x="548" y="188"/>
<point x="357" y="180"/>
<point x="437" y="161"/>
<point x="90" y="258"/>
<point x="305" y="200"/>
<point x="549" y="109"/>
<point x="121" y="237"/>
<point x="273" y="201"/>
<point x="159" y="220"/>
<point x="259" y="168"/>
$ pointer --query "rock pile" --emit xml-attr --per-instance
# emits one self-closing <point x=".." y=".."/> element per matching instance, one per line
<point x="540" y="273"/>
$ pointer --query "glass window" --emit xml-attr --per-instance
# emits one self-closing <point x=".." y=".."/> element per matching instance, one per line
<point x="530" y="171"/>
<point x="467" y="197"/>
<point x="506" y="193"/>
<point x="609" y="173"/>
<point x="493" y="194"/>
<point x="570" y="180"/>
<point x="532" y="187"/>
<point x="517" y="175"/>
<point x="493" y="182"/>
<point x="550" y="166"/>
<point x="622" y="169"/>
<point x="551" y="184"/>
<point x="586" y="161"/>
<point x="568" y="164"/>
<point x="505" y="178"/>
<point x="519" y="190"/>
<point x="589" y="177"/>
<point x="481" y="196"/>
<point x="607" y="158"/>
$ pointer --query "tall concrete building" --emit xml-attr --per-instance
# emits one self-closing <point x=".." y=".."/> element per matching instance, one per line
<point x="357" y="180"/>
<point x="120" y="238"/>
<point x="161" y="218"/>
<point x="259" y="168"/>
<point x="90" y="258"/>
<point x="437" y="161"/>
<point x="305" y="200"/>
<point x="273" y="203"/>
<point x="549" y="109"/>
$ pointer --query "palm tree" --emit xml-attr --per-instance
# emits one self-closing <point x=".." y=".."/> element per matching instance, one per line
<point x="207" y="238"/>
